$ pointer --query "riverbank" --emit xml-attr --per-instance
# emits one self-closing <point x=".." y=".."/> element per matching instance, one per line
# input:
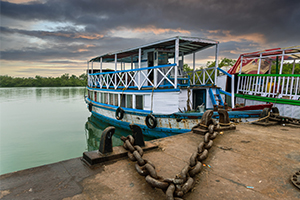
<point x="252" y="162"/>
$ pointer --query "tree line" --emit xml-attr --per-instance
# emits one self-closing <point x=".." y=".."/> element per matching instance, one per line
<point x="64" y="80"/>
<point x="286" y="69"/>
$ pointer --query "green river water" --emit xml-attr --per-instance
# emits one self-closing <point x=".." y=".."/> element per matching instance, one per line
<point x="39" y="126"/>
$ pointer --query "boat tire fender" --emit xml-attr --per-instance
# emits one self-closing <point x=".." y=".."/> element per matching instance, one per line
<point x="90" y="107"/>
<point x="119" y="113"/>
<point x="151" y="121"/>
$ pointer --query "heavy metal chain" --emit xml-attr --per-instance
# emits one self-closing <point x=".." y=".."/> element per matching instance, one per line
<point x="176" y="187"/>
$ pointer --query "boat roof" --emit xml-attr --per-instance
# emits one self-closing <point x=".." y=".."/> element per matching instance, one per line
<point x="187" y="45"/>
<point x="292" y="53"/>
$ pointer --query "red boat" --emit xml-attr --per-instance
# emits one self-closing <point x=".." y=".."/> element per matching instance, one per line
<point x="253" y="107"/>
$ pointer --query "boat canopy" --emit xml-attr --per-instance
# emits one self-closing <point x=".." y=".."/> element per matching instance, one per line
<point x="187" y="45"/>
<point x="250" y="61"/>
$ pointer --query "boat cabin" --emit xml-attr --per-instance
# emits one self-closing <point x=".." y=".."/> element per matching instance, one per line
<point x="151" y="77"/>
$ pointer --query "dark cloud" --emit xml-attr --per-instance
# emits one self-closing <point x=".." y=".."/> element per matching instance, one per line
<point x="239" y="16"/>
<point x="84" y="27"/>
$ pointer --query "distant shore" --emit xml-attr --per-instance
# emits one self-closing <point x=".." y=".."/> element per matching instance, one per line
<point x="64" y="80"/>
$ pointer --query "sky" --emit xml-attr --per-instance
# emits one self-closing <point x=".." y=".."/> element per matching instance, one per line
<point x="54" y="37"/>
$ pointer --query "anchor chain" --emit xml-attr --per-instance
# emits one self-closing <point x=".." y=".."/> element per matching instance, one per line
<point x="182" y="183"/>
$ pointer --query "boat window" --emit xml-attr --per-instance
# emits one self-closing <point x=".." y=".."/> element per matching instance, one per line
<point x="95" y="96"/>
<point x="98" y="96"/>
<point x="104" y="98"/>
<point x="116" y="99"/>
<point x="111" y="99"/>
<point x="139" y="102"/>
<point x="129" y="100"/>
<point x="162" y="58"/>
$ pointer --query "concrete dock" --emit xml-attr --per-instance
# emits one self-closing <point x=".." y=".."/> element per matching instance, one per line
<point x="251" y="162"/>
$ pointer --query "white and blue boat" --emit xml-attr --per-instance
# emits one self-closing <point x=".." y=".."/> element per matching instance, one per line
<point x="147" y="86"/>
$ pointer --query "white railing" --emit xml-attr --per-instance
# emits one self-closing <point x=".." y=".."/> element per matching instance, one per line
<point x="156" y="76"/>
<point x="270" y="85"/>
<point x="203" y="76"/>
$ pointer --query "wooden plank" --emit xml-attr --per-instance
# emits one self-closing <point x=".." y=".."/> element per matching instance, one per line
<point x="95" y="157"/>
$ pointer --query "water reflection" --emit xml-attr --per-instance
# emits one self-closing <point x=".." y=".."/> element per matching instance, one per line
<point x="94" y="128"/>
<point x="41" y="125"/>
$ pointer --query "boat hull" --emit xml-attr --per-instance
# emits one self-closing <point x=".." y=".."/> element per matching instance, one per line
<point x="167" y="124"/>
<point x="254" y="107"/>
<point x="287" y="110"/>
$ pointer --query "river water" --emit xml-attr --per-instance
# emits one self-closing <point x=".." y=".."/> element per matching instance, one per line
<point x="40" y="126"/>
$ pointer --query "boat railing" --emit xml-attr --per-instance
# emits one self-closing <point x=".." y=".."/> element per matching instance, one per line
<point x="202" y="76"/>
<point x="153" y="77"/>
<point x="207" y="76"/>
<point x="270" y="85"/>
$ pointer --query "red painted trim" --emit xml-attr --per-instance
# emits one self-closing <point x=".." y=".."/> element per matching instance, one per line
<point x="254" y="107"/>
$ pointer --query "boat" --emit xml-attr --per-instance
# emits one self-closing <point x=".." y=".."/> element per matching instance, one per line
<point x="146" y="85"/>
<point x="253" y="107"/>
<point x="260" y="80"/>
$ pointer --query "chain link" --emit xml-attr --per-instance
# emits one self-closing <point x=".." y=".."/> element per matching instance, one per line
<point x="183" y="182"/>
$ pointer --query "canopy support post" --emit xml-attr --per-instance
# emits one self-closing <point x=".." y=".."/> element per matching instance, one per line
<point x="176" y="60"/>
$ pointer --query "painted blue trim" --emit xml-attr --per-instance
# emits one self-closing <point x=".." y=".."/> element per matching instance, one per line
<point x="165" y="132"/>
<point x="132" y="70"/>
<point x="178" y="115"/>
<point x="133" y="91"/>
<point x="156" y="132"/>
<point x="212" y="96"/>
<point x="114" y="108"/>
<point x="224" y="92"/>
<point x="225" y="72"/>
<point x="205" y="85"/>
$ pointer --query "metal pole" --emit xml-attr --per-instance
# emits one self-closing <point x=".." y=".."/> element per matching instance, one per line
<point x="216" y="66"/>
<point x="88" y="73"/>
<point x="294" y="66"/>
<point x="258" y="72"/>
<point x="116" y="66"/>
<point x="239" y="77"/>
<point x="232" y="91"/>
<point x="116" y="57"/>
<point x="101" y="65"/>
<point x="176" y="60"/>
<point x="280" y="72"/>
<point x="241" y="65"/>
<point x="259" y="64"/>
<point x="281" y="64"/>
<point x="131" y="61"/>
<point x="194" y="66"/>
<point x="92" y="66"/>
<point x="139" y="72"/>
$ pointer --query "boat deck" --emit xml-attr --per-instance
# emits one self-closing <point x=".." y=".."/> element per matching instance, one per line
<point x="251" y="162"/>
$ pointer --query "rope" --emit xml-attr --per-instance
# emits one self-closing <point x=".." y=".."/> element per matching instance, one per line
<point x="188" y="102"/>
<point x="122" y="95"/>
<point x="258" y="119"/>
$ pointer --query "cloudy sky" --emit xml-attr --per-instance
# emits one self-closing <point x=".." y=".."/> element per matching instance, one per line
<point x="53" y="37"/>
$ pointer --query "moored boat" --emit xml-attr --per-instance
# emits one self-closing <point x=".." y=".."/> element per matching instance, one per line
<point x="269" y="76"/>
<point x="148" y="87"/>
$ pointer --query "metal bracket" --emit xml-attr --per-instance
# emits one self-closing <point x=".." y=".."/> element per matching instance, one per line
<point x="137" y="135"/>
<point x="223" y="116"/>
<point x="106" y="140"/>
<point x="206" y="118"/>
